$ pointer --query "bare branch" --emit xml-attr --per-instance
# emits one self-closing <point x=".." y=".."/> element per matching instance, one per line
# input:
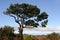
<point x="17" y="21"/>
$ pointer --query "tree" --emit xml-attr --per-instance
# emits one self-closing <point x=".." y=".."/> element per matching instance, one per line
<point x="6" y="33"/>
<point x="25" y="14"/>
<point x="9" y="32"/>
<point x="0" y="33"/>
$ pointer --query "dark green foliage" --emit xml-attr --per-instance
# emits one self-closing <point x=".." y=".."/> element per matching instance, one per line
<point x="42" y="16"/>
<point x="23" y="13"/>
<point x="44" y="23"/>
<point x="6" y="33"/>
<point x="31" y="23"/>
<point x="25" y="9"/>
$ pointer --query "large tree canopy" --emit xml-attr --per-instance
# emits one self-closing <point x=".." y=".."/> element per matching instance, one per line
<point x="26" y="14"/>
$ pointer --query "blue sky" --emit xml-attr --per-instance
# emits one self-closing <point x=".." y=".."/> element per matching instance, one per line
<point x="51" y="7"/>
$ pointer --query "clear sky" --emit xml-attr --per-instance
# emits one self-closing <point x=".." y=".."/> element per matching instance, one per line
<point x="51" y="7"/>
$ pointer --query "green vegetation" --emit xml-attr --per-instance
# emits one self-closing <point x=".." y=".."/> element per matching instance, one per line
<point x="27" y="37"/>
<point x="7" y="33"/>
<point x="53" y="36"/>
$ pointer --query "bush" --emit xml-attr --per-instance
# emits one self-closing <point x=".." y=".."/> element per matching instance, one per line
<point x="53" y="36"/>
<point x="27" y="37"/>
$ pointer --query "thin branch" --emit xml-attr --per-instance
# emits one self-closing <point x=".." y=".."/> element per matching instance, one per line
<point x="13" y="16"/>
<point x="17" y="21"/>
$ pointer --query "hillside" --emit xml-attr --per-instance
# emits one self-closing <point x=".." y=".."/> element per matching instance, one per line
<point x="52" y="36"/>
<point x="30" y="37"/>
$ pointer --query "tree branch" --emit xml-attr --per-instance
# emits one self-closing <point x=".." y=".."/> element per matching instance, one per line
<point x="16" y="20"/>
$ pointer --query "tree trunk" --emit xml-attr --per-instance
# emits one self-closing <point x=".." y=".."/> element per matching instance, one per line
<point x="21" y="33"/>
<point x="21" y="30"/>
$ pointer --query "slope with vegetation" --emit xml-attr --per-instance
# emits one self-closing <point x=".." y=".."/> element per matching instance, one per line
<point x="7" y="33"/>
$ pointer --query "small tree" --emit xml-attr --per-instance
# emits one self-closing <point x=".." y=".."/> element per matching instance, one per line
<point x="6" y="33"/>
<point x="1" y="33"/>
<point x="25" y="14"/>
<point x="9" y="32"/>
